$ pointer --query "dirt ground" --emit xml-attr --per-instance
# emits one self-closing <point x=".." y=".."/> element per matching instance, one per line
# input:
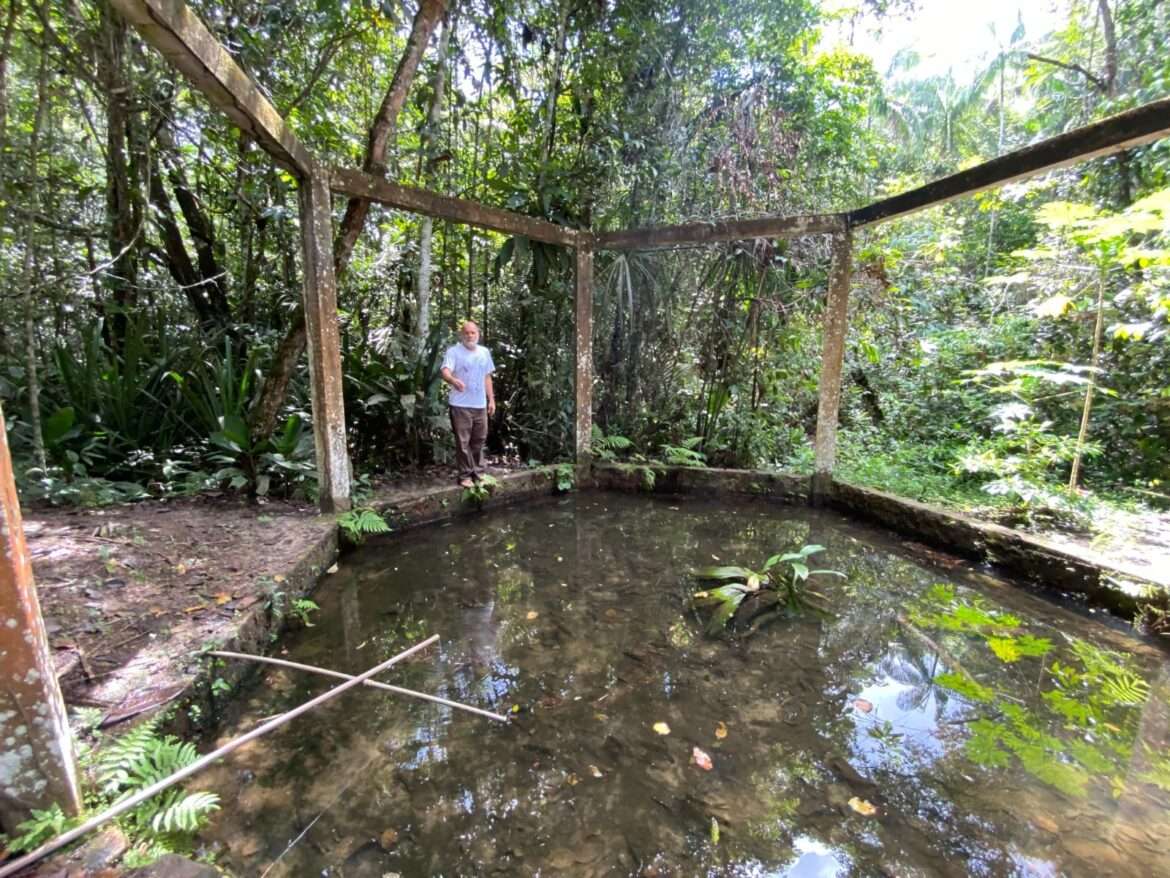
<point x="129" y="593"/>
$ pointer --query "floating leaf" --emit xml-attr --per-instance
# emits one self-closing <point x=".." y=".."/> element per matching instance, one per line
<point x="714" y="831"/>
<point x="532" y="614"/>
<point x="863" y="705"/>
<point x="222" y="598"/>
<point x="595" y="771"/>
<point x="701" y="759"/>
<point x="721" y="731"/>
<point x="572" y="780"/>
<point x="662" y="728"/>
<point x="862" y="807"/>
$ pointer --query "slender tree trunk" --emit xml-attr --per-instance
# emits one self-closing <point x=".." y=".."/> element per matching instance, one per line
<point x="422" y="326"/>
<point x="292" y="346"/>
<point x="1086" y="411"/>
<point x="28" y="275"/>
<point x="5" y="51"/>
<point x="123" y="231"/>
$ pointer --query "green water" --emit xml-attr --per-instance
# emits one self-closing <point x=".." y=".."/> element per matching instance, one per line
<point x="931" y="723"/>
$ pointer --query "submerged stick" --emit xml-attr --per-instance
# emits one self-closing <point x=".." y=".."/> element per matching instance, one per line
<point x="199" y="764"/>
<point x="374" y="683"/>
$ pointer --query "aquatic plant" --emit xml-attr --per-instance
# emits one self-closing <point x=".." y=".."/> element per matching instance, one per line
<point x="780" y="586"/>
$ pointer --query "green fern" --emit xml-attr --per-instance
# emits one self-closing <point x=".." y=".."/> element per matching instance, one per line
<point x="119" y="758"/>
<point x="358" y="523"/>
<point x="39" y="828"/>
<point x="140" y="759"/>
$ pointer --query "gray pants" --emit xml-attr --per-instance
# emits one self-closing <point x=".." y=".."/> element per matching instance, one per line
<point x="471" y="429"/>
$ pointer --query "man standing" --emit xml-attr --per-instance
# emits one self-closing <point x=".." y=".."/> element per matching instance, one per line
<point x="468" y="368"/>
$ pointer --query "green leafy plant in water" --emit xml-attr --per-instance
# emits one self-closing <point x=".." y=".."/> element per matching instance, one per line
<point x="357" y="524"/>
<point x="784" y="576"/>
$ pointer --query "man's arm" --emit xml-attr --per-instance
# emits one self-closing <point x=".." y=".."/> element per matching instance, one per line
<point x="446" y="375"/>
<point x="491" y="395"/>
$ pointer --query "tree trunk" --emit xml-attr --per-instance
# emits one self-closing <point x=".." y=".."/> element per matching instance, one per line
<point x="426" y="158"/>
<point x="5" y="51"/>
<point x="28" y="275"/>
<point x="1086" y="411"/>
<point x="121" y="213"/>
<point x="289" y="352"/>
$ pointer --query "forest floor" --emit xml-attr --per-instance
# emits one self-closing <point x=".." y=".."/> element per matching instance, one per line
<point x="132" y="593"/>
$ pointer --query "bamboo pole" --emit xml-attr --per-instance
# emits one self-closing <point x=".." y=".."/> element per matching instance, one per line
<point x="199" y="764"/>
<point x="313" y="669"/>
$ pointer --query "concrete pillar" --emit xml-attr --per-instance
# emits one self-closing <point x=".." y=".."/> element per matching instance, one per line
<point x="832" y="360"/>
<point x="36" y="751"/>
<point x="584" y="354"/>
<point x="324" y="343"/>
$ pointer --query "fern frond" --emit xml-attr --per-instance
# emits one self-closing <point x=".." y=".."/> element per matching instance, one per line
<point x="117" y="759"/>
<point x="187" y="814"/>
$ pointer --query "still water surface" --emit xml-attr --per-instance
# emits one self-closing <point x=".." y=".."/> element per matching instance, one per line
<point x="933" y="723"/>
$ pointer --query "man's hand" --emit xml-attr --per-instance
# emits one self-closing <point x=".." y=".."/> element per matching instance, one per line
<point x="457" y="384"/>
<point x="491" y="407"/>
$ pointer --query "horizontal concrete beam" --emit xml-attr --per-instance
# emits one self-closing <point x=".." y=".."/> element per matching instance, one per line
<point x="1132" y="128"/>
<point x="358" y="184"/>
<point x="720" y="230"/>
<point x="172" y="28"/>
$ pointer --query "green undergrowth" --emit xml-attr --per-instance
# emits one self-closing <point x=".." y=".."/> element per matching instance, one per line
<point x="114" y="769"/>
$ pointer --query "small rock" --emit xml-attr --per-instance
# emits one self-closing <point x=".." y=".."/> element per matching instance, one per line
<point x="174" y="866"/>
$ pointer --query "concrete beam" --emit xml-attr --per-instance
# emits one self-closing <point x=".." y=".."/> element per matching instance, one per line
<point x="324" y="344"/>
<point x="359" y="184"/>
<point x="172" y="28"/>
<point x="832" y="359"/>
<point x="37" y="767"/>
<point x="583" y="424"/>
<point x="1126" y="130"/>
<point x="722" y="230"/>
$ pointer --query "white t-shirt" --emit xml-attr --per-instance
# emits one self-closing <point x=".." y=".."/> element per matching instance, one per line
<point x="470" y="367"/>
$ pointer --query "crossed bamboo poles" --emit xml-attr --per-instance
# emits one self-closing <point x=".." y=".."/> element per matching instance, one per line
<point x="141" y="796"/>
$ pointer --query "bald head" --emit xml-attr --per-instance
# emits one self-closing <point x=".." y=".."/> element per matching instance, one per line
<point x="469" y="334"/>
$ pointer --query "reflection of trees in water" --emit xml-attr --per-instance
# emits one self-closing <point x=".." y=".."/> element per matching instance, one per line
<point x="917" y="669"/>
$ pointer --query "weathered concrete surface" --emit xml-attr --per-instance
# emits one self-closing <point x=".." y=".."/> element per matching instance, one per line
<point x="836" y="322"/>
<point x="324" y="345"/>
<point x="412" y="507"/>
<point x="1023" y="555"/>
<point x="703" y="481"/>
<point x="583" y="350"/>
<point x="37" y="767"/>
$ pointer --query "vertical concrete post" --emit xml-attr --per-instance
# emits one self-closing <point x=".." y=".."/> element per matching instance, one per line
<point x="36" y="750"/>
<point x="832" y="359"/>
<point x="324" y="343"/>
<point x="583" y="426"/>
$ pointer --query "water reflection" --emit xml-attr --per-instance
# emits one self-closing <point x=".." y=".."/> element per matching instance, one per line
<point x="928" y="726"/>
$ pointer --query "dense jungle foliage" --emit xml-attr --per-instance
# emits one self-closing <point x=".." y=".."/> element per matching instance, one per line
<point x="1002" y="347"/>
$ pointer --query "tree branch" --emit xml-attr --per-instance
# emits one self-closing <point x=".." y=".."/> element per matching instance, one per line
<point x="1097" y="81"/>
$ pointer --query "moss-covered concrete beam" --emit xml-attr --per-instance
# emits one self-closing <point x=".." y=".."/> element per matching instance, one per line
<point x="37" y="768"/>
